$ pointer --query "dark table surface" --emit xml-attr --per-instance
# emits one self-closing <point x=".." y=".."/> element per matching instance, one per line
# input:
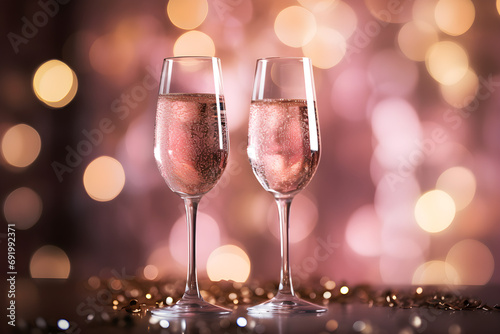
<point x="43" y="303"/>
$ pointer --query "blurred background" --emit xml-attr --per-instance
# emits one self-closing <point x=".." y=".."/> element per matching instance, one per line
<point x="408" y="94"/>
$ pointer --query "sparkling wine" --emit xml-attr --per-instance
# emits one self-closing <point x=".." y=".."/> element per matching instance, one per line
<point x="282" y="153"/>
<point x="191" y="147"/>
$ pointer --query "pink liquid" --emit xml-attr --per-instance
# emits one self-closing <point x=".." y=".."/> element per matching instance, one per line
<point x="191" y="141"/>
<point x="279" y="145"/>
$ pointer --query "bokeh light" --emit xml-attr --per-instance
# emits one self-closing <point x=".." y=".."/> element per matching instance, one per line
<point x="463" y="92"/>
<point x="498" y="6"/>
<point x="50" y="262"/>
<point x="55" y="83"/>
<point x="194" y="43"/>
<point x="435" y="211"/>
<point x="447" y="62"/>
<point x="206" y="225"/>
<point x="454" y="17"/>
<point x="415" y="38"/>
<point x="241" y="322"/>
<point x="363" y="232"/>
<point x="187" y="14"/>
<point x="22" y="207"/>
<point x="94" y="282"/>
<point x="150" y="272"/>
<point x="228" y="262"/>
<point x="332" y="325"/>
<point x="328" y="283"/>
<point x="295" y="26"/>
<point x="435" y="272"/>
<point x="396" y="141"/>
<point x="164" y="323"/>
<point x="104" y="178"/>
<point x="326" y="49"/>
<point x="21" y="145"/>
<point x="63" y="324"/>
<point x="473" y="261"/>
<point x="460" y="183"/>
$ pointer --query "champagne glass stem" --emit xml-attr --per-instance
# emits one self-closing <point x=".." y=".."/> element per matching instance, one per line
<point x="192" y="290"/>
<point x="285" y="287"/>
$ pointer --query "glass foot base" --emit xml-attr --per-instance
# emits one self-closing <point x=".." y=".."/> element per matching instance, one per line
<point x="284" y="304"/>
<point x="187" y="308"/>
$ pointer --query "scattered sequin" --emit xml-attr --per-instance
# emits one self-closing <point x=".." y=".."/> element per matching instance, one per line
<point x="242" y="322"/>
<point x="129" y="308"/>
<point x="164" y="323"/>
<point x="63" y="324"/>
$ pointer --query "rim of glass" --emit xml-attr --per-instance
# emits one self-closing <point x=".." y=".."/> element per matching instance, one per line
<point x="283" y="58"/>
<point x="191" y="57"/>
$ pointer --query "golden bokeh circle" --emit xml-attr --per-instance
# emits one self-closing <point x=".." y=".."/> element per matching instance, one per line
<point x="447" y="62"/>
<point x="23" y="207"/>
<point x="21" y="145"/>
<point x="454" y="17"/>
<point x="435" y="211"/>
<point x="50" y="262"/>
<point x="187" y="14"/>
<point x="55" y="83"/>
<point x="104" y="178"/>
<point x="295" y="26"/>
<point x="194" y="43"/>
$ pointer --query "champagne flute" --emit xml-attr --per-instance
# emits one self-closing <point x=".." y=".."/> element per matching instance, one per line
<point x="284" y="150"/>
<point x="191" y="151"/>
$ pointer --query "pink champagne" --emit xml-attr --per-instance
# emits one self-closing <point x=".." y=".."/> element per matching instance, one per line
<point x="279" y="144"/>
<point x="191" y="141"/>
